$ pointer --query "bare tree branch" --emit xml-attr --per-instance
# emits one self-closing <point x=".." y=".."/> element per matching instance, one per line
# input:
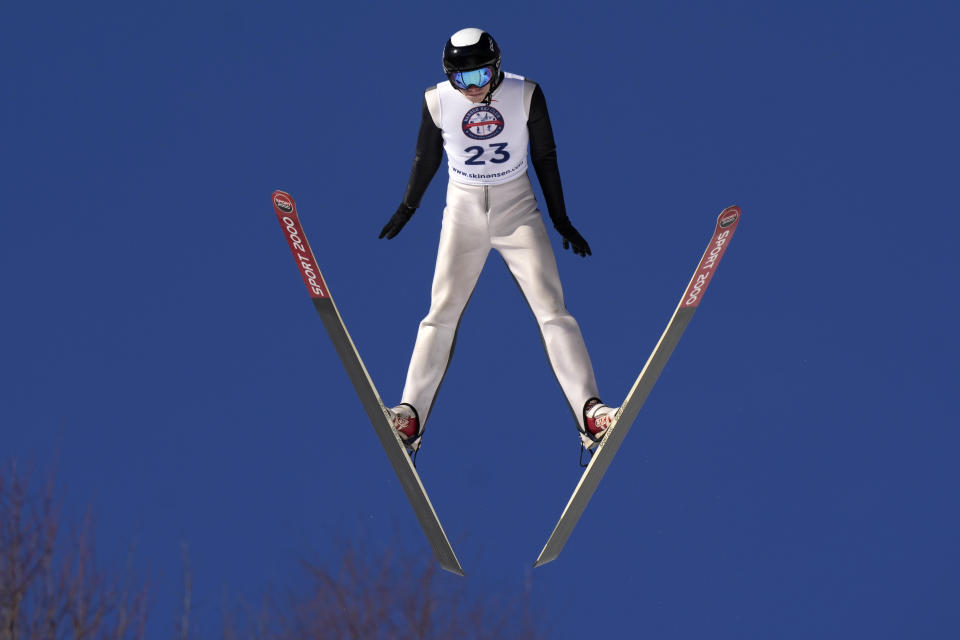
<point x="52" y="589"/>
<point x="183" y="628"/>
<point x="390" y="594"/>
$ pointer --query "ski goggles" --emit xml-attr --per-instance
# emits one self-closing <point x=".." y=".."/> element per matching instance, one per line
<point x="477" y="77"/>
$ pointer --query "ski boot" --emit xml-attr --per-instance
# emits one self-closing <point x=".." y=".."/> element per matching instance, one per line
<point x="597" y="418"/>
<point x="405" y="420"/>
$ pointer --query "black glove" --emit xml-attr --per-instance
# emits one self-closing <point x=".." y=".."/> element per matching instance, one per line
<point x="392" y="228"/>
<point x="572" y="237"/>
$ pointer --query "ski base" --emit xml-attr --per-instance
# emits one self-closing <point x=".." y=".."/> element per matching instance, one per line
<point x="630" y="408"/>
<point x="286" y="211"/>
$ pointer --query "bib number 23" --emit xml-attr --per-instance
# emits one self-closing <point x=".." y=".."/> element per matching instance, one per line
<point x="500" y="154"/>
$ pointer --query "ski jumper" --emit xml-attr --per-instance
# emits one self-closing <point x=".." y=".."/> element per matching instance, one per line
<point x="490" y="205"/>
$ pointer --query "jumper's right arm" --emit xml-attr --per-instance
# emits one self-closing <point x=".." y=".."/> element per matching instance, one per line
<point x="426" y="161"/>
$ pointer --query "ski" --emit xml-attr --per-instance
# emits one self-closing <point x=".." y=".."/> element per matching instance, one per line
<point x="286" y="210"/>
<point x="600" y="461"/>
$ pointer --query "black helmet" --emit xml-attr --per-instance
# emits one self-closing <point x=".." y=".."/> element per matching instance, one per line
<point x="470" y="49"/>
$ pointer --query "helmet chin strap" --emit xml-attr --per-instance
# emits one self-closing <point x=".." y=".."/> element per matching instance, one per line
<point x="487" y="98"/>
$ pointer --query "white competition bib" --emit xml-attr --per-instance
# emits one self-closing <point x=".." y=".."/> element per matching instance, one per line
<point x="485" y="143"/>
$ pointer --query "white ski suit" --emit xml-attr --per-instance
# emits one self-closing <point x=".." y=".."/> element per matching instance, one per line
<point x="490" y="205"/>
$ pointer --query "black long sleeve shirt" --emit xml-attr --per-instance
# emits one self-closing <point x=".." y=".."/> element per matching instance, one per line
<point x="543" y="156"/>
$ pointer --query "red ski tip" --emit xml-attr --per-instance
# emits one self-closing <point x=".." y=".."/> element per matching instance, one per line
<point x="727" y="223"/>
<point x="286" y="210"/>
<point x="729" y="217"/>
<point x="283" y="203"/>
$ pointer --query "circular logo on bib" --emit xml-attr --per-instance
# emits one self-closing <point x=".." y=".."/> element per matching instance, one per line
<point x="482" y="123"/>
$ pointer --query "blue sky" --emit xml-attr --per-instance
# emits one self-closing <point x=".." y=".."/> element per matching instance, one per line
<point x="793" y="473"/>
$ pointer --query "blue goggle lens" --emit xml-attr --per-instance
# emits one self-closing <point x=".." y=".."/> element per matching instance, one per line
<point x="477" y="78"/>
